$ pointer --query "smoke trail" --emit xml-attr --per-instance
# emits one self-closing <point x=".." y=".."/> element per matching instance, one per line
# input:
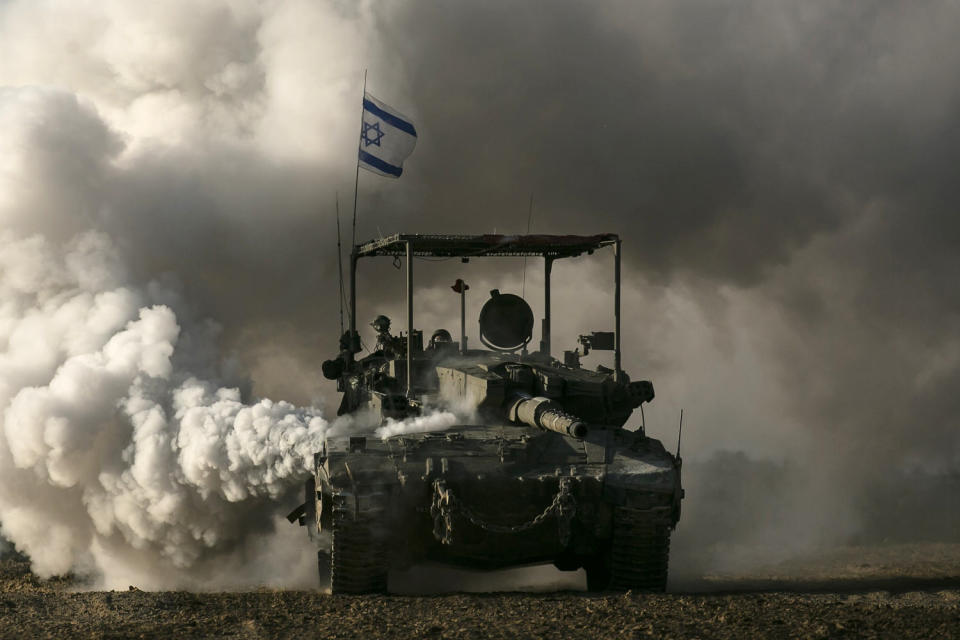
<point x="433" y="421"/>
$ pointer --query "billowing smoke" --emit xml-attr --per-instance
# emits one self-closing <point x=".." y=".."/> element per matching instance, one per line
<point x="781" y="176"/>
<point x="134" y="449"/>
<point x="109" y="438"/>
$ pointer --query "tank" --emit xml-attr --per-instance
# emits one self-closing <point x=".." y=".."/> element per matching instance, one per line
<point x="543" y="469"/>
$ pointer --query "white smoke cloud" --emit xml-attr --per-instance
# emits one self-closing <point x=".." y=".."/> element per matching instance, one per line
<point x="276" y="75"/>
<point x="141" y="146"/>
<point x="108" y="436"/>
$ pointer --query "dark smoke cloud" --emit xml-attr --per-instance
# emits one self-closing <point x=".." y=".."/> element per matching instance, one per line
<point x="786" y="169"/>
<point x="697" y="129"/>
<point x="801" y="154"/>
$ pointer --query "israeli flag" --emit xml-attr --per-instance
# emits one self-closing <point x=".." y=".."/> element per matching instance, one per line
<point x="386" y="139"/>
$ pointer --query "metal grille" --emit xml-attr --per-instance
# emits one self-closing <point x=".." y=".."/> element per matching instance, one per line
<point x="451" y="246"/>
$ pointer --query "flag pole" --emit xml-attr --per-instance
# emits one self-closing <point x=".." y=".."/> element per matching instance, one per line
<point x="353" y="243"/>
<point x="356" y="179"/>
<point x="339" y="261"/>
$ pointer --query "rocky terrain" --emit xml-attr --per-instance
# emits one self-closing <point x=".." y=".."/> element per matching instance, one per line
<point x="894" y="591"/>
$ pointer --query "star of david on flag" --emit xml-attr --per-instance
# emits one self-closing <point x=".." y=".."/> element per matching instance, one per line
<point x="386" y="138"/>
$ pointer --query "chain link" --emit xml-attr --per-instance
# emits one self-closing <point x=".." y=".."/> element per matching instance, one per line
<point x="441" y="508"/>
<point x="445" y="504"/>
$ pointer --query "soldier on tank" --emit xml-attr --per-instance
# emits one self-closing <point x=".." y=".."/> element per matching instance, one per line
<point x="441" y="341"/>
<point x="389" y="345"/>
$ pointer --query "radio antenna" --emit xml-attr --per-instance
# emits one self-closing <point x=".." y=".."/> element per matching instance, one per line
<point x="679" y="433"/>
<point x="339" y="259"/>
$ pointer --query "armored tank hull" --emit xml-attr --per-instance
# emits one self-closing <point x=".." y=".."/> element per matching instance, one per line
<point x="546" y="473"/>
<point x="494" y="496"/>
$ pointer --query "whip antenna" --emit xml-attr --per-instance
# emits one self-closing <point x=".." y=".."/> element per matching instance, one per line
<point x="679" y="433"/>
<point x="339" y="260"/>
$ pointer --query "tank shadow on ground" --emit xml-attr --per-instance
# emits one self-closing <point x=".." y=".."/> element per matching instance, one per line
<point x="429" y="579"/>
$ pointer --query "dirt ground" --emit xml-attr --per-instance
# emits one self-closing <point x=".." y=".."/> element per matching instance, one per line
<point x="894" y="591"/>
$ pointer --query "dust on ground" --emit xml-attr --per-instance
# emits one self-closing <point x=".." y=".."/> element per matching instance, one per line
<point x="884" y="591"/>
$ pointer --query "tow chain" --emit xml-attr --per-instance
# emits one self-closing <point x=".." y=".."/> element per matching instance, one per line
<point x="445" y="504"/>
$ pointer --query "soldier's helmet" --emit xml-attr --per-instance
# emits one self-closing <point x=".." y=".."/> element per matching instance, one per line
<point x="440" y="337"/>
<point x="381" y="323"/>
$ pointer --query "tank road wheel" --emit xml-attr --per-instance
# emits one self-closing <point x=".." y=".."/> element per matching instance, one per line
<point x="358" y="560"/>
<point x="638" y="555"/>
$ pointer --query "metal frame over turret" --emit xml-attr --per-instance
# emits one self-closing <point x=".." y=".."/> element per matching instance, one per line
<point x="548" y="247"/>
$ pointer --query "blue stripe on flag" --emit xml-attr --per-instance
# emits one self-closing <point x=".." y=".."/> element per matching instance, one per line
<point x="377" y="163"/>
<point x="389" y="118"/>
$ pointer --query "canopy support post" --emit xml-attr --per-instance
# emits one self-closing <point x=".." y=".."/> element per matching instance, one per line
<point x="617" y="375"/>
<point x="545" y="328"/>
<point x="351" y="339"/>
<point x="409" y="319"/>
<point x="463" y="319"/>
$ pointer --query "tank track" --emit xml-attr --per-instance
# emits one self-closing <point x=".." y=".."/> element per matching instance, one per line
<point x="358" y="561"/>
<point x="638" y="554"/>
<point x="639" y="551"/>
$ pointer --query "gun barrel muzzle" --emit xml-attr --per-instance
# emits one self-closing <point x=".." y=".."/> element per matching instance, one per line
<point x="544" y="413"/>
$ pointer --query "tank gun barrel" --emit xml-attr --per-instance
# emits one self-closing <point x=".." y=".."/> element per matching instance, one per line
<point x="544" y="413"/>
